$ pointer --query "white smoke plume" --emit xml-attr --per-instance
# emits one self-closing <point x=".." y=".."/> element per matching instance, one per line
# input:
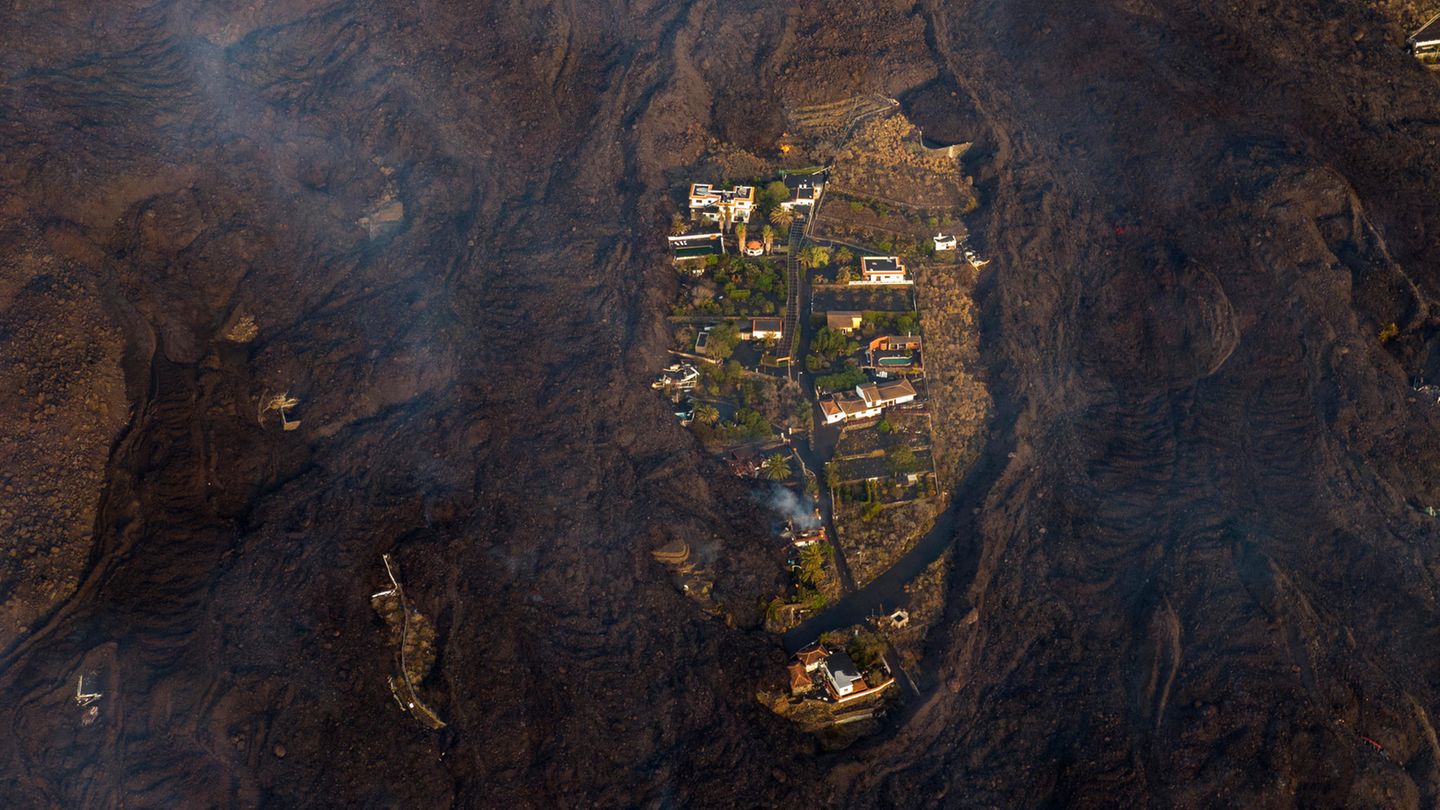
<point x="797" y="508"/>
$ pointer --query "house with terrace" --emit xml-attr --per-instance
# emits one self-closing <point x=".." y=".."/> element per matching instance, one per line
<point x="805" y="190"/>
<point x="724" y="206"/>
<point x="817" y="669"/>
<point x="803" y="668"/>
<point x="894" y="353"/>
<point x="695" y="247"/>
<point x="882" y="270"/>
<point x="868" y="401"/>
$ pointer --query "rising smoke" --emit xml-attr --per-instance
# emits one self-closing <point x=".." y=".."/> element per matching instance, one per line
<point x="793" y="507"/>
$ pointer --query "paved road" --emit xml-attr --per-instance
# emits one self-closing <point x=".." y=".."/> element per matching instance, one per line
<point x="792" y="301"/>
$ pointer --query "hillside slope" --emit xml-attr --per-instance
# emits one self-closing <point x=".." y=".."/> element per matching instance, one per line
<point x="1201" y="578"/>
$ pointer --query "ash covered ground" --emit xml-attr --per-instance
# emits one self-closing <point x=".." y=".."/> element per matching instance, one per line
<point x="1201" y="573"/>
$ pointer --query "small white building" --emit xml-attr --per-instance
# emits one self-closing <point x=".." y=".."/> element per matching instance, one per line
<point x="882" y="270"/>
<point x="754" y="247"/>
<point x="766" y="329"/>
<point x="944" y="241"/>
<point x="805" y="191"/>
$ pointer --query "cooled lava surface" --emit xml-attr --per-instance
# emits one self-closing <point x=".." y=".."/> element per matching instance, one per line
<point x="1200" y="573"/>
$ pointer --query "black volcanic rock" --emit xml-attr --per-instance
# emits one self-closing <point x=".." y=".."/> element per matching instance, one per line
<point x="1202" y="578"/>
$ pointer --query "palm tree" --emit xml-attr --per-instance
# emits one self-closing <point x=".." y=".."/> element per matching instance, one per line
<point x="781" y="218"/>
<point x="678" y="225"/>
<point x="777" y="467"/>
<point x="740" y="229"/>
<point x="707" y="414"/>
<point x="768" y="234"/>
<point x="814" y="256"/>
<point x="812" y="564"/>
<point x="844" y="256"/>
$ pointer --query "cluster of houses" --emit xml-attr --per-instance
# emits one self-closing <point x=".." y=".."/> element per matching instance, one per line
<point x="818" y="672"/>
<point x="715" y="210"/>
<point x="868" y="401"/>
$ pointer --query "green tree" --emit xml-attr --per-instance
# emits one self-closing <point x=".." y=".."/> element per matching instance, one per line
<point x="831" y="343"/>
<point x="724" y="337"/>
<point x="767" y="233"/>
<point x="815" y="256"/>
<point x="844" y="256"/>
<point x="866" y="649"/>
<point x="849" y="378"/>
<point x="832" y="475"/>
<point x="678" y="225"/>
<point x="707" y="414"/>
<point x="773" y="609"/>
<point x="777" y="467"/>
<point x="740" y="230"/>
<point x="843" y="276"/>
<point x="812" y="564"/>
<point x="906" y="324"/>
<point x="782" y="218"/>
<point x="775" y="192"/>
<point x="902" y="460"/>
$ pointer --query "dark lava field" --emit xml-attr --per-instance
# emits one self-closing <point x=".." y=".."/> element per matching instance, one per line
<point x="1199" y="574"/>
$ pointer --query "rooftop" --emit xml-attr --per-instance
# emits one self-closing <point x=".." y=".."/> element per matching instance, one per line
<point x="881" y="264"/>
<point x="812" y="655"/>
<point x="843" y="672"/>
<point x="797" y="181"/>
<point x="1428" y="33"/>
<point x="800" y="680"/>
<point x="895" y="341"/>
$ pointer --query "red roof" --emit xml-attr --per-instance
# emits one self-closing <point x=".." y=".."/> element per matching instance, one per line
<point x="811" y="656"/>
<point x="800" y="680"/>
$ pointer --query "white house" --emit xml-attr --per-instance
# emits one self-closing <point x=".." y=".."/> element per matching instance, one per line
<point x="882" y="270"/>
<point x="842" y="677"/>
<point x="868" y="401"/>
<point x="883" y="395"/>
<point x="944" y="241"/>
<point x="766" y="328"/>
<point x="804" y="191"/>
<point x="722" y="205"/>
<point x="754" y="247"/>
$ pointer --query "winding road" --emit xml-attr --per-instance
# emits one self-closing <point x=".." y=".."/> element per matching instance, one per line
<point x="887" y="591"/>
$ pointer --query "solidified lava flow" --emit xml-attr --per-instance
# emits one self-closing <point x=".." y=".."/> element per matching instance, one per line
<point x="1196" y="565"/>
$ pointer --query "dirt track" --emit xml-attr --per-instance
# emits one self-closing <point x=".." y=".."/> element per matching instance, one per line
<point x="1200" y="580"/>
